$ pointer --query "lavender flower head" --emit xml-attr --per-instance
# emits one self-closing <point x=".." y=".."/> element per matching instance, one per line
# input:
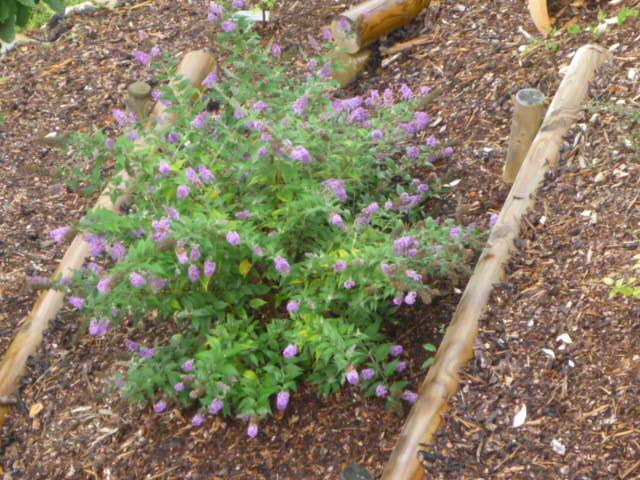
<point x="215" y="12"/>
<point x="161" y="228"/>
<point x="340" y="266"/>
<point x="282" y="265"/>
<point x="300" y="154"/>
<point x="398" y="299"/>
<point x="216" y="406"/>
<point x="276" y="50"/>
<point x="242" y="214"/>
<point x="413" y="275"/>
<point x="368" y="373"/>
<point x="401" y="366"/>
<point x="406" y="246"/>
<point x="326" y="34"/>
<point x="293" y="306"/>
<point x="238" y="4"/>
<point x="410" y="298"/>
<point x="448" y="151"/>
<point x="455" y="232"/>
<point x="97" y="327"/>
<point x="118" y="251"/>
<point x="110" y="143"/>
<point x="406" y="92"/>
<point x="200" y="119"/>
<point x="432" y="141"/>
<point x="205" y="174"/>
<point x="209" y="268"/>
<point x="301" y="104"/>
<point x="396" y="351"/>
<point x="142" y="57"/>
<point x="228" y="26"/>
<point x="381" y="391"/>
<point x="173" y="138"/>
<point x="252" y="430"/>
<point x="137" y="280"/>
<point x="282" y="400"/>
<point x="197" y="420"/>
<point x="77" y="302"/>
<point x="59" y="234"/>
<point x="325" y="71"/>
<point x="349" y="284"/>
<point x="147" y="352"/>
<point x="195" y="254"/>
<point x="192" y="176"/>
<point x="194" y="273"/>
<point x="160" y="406"/>
<point x="179" y="387"/>
<point x="386" y="268"/>
<point x="493" y="219"/>
<point x="336" y="219"/>
<point x="155" y="51"/>
<point x="413" y="152"/>
<point x="409" y="396"/>
<point x="183" y="191"/>
<point x="336" y="186"/>
<point x="260" y="106"/>
<point x="290" y="351"/>
<point x="376" y="134"/>
<point x="210" y="80"/>
<point x="188" y="365"/>
<point x="387" y="97"/>
<point x="233" y="238"/>
<point x="352" y="376"/>
<point x="104" y="286"/>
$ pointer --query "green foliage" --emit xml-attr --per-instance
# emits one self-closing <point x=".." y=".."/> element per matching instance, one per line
<point x="625" y="13"/>
<point x="307" y="208"/>
<point x="16" y="13"/>
<point x="626" y="287"/>
<point x="574" y="29"/>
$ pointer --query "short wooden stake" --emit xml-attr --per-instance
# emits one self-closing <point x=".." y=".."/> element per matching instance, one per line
<point x="139" y="99"/>
<point x="528" y="110"/>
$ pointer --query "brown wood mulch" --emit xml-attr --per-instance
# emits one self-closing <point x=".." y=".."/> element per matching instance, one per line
<point x="70" y="423"/>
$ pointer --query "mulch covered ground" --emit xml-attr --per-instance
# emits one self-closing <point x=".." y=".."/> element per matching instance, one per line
<point x="582" y="229"/>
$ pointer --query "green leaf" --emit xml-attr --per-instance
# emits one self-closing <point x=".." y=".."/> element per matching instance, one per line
<point x="8" y="29"/>
<point x="428" y="362"/>
<point x="56" y="5"/>
<point x="27" y="3"/>
<point x="256" y="303"/>
<point x="22" y="15"/>
<point x="429" y="347"/>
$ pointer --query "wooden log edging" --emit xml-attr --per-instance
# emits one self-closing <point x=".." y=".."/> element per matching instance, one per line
<point x="540" y="15"/>
<point x="194" y="67"/>
<point x="456" y="347"/>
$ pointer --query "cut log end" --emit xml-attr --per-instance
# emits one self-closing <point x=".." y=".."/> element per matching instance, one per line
<point x="349" y="67"/>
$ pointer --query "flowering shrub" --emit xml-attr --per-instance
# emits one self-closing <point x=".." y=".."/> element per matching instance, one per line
<point x="273" y="229"/>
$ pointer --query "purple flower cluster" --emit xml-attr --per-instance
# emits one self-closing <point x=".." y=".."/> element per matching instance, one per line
<point x="233" y="238"/>
<point x="406" y="246"/>
<point x="215" y="12"/>
<point x="337" y="188"/>
<point x="352" y="376"/>
<point x="293" y="306"/>
<point x="98" y="327"/>
<point x="161" y="228"/>
<point x="59" y="234"/>
<point x="209" y="268"/>
<point x="123" y="118"/>
<point x="409" y="396"/>
<point x="301" y="104"/>
<point x="200" y="120"/>
<point x="282" y="265"/>
<point x="77" y="302"/>
<point x="137" y="280"/>
<point x="300" y="154"/>
<point x="142" y="57"/>
<point x="98" y="244"/>
<point x="290" y="351"/>
<point x="410" y="298"/>
<point x="118" y="251"/>
<point x="104" y="286"/>
<point x="282" y="400"/>
<point x="216" y="406"/>
<point x="340" y="266"/>
<point x="336" y="219"/>
<point x="368" y="373"/>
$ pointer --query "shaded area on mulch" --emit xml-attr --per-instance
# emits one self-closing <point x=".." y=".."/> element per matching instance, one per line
<point x="85" y="430"/>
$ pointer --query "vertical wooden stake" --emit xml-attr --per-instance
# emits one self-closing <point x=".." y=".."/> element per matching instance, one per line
<point x="528" y="110"/>
<point x="139" y="99"/>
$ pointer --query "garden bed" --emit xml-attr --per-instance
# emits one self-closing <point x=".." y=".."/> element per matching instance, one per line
<point x="83" y="429"/>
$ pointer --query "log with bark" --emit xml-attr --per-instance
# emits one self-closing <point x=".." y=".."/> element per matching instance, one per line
<point x="456" y="347"/>
<point x="364" y="24"/>
<point x="194" y="68"/>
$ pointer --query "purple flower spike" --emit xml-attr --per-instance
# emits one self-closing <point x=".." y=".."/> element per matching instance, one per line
<point x="326" y="34"/>
<point x="155" y="52"/>
<point x="142" y="57"/>
<point x="340" y="266"/>
<point x="205" y="174"/>
<point x="194" y="273"/>
<point x="238" y="4"/>
<point x="228" y="26"/>
<point x="210" y="80"/>
<point x="413" y="275"/>
<point x="195" y="254"/>
<point x="398" y="299"/>
<point x="396" y="351"/>
<point x="59" y="234"/>
<point x="110" y="143"/>
<point x="368" y="373"/>
<point x="260" y="106"/>
<point x="413" y="152"/>
<point x="386" y="268"/>
<point x="197" y="420"/>
<point x="276" y="50"/>
<point x="252" y="430"/>
<point x="209" y="268"/>
<point x="301" y="104"/>
<point x="183" y="191"/>
<point x="447" y="152"/>
<point x="137" y="280"/>
<point x="200" y="119"/>
<point x="97" y="327"/>
<point x="401" y="366"/>
<point x="406" y="92"/>
<point x="179" y="387"/>
<point x="233" y="238"/>
<point x="216" y="406"/>
<point x="410" y="298"/>
<point x="432" y="141"/>
<point x="290" y="351"/>
<point x="104" y="286"/>
<point x="352" y="377"/>
<point x="282" y="400"/>
<point x="293" y="306"/>
<point x="376" y="134"/>
<point x="77" y="302"/>
<point x="147" y="352"/>
<point x="215" y="12"/>
<point x="188" y="365"/>
<point x="336" y="186"/>
<point x="493" y="219"/>
<point x="381" y="391"/>
<point x="406" y="246"/>
<point x="455" y="232"/>
<point x="300" y="154"/>
<point x="173" y="138"/>
<point x="282" y="265"/>
<point x="160" y="406"/>
<point x="349" y="284"/>
<point x="409" y="396"/>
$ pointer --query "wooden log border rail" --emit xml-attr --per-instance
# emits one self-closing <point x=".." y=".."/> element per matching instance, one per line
<point x="456" y="347"/>
<point x="194" y="67"/>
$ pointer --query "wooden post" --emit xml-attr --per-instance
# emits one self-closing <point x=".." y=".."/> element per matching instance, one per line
<point x="528" y="110"/>
<point x="457" y="345"/>
<point x="194" y="67"/>
<point x="347" y="67"/>
<point x="367" y="22"/>
<point x="139" y="99"/>
<point x="540" y="15"/>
